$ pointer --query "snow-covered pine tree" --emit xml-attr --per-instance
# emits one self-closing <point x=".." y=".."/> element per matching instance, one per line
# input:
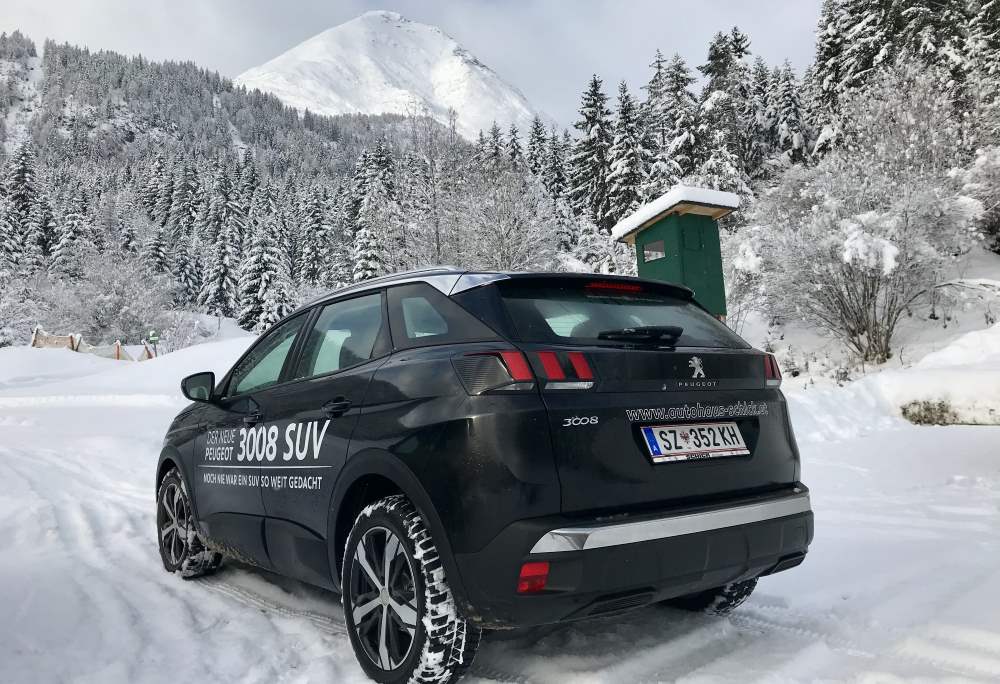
<point x="629" y="159"/>
<point x="830" y="41"/>
<point x="156" y="251"/>
<point x="42" y="224"/>
<point x="383" y="246"/>
<point x="358" y="186"/>
<point x="495" y="147"/>
<point x="247" y="185"/>
<point x="932" y="30"/>
<point x="554" y="170"/>
<point x="279" y="301"/>
<point x="313" y="237"/>
<point x="262" y="266"/>
<point x="985" y="25"/>
<point x="75" y="228"/>
<point x="164" y="199"/>
<point x="20" y="186"/>
<point x="219" y="289"/>
<point x="186" y="269"/>
<point x="537" y="146"/>
<point x="566" y="227"/>
<point x="236" y="220"/>
<point x="480" y="146"/>
<point x="590" y="248"/>
<point x="32" y="257"/>
<point x="367" y="255"/>
<point x="760" y="117"/>
<point x="149" y="193"/>
<point x="214" y="206"/>
<point x="681" y="146"/>
<point x="723" y="104"/>
<point x="183" y="203"/>
<point x="657" y="110"/>
<point x="515" y="154"/>
<point x="10" y="234"/>
<point x="127" y="241"/>
<point x="589" y="163"/>
<point x="788" y="123"/>
<point x="870" y="28"/>
<point x="721" y="171"/>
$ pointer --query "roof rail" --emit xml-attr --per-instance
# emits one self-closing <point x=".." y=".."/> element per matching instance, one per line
<point x="414" y="272"/>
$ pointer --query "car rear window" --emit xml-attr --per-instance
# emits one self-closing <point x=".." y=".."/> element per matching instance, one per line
<point x="578" y="312"/>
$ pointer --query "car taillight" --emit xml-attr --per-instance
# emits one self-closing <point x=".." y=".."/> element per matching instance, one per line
<point x="772" y="373"/>
<point x="533" y="577"/>
<point x="580" y="366"/>
<point x="554" y="367"/>
<point x="551" y="366"/>
<point x="494" y="370"/>
<point x="518" y="366"/>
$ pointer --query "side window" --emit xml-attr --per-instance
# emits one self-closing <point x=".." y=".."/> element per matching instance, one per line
<point x="262" y="366"/>
<point x="344" y="335"/>
<point x="421" y="316"/>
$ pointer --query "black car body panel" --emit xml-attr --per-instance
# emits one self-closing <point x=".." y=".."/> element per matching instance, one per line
<point x="392" y="386"/>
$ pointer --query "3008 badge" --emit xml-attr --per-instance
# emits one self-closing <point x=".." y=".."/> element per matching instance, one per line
<point x="261" y="443"/>
<point x="579" y="420"/>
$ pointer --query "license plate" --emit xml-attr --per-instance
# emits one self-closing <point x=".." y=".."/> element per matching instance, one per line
<point x="690" y="442"/>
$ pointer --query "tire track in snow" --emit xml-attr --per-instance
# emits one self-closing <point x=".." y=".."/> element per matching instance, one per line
<point x="326" y="623"/>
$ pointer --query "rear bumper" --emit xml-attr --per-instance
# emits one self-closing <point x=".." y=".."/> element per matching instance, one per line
<point x="601" y="567"/>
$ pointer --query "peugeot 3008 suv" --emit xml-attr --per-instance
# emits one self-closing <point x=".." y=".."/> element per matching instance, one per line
<point x="455" y="451"/>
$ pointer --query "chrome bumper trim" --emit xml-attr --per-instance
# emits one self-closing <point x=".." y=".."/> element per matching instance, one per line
<point x="617" y="534"/>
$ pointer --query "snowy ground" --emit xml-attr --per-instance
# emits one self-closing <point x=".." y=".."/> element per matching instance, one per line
<point x="902" y="582"/>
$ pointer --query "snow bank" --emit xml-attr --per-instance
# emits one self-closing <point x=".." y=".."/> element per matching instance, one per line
<point x="965" y="374"/>
<point x="59" y="373"/>
<point x="677" y="194"/>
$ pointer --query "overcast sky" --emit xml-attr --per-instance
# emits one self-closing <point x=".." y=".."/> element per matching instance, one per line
<point x="547" y="48"/>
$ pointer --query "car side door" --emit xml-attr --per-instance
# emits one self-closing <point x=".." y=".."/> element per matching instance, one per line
<point x="315" y="415"/>
<point x="226" y="468"/>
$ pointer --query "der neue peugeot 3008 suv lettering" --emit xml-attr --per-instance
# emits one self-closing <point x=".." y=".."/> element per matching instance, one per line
<point x="455" y="451"/>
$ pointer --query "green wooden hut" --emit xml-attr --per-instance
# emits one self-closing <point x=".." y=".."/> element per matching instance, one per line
<point x="676" y="239"/>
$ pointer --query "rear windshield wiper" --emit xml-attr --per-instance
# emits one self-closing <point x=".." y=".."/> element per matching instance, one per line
<point x="646" y="333"/>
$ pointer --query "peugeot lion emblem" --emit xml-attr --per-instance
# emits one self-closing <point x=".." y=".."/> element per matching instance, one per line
<point x="695" y="363"/>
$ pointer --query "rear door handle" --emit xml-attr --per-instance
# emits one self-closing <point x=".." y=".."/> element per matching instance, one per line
<point x="337" y="407"/>
<point x="253" y="418"/>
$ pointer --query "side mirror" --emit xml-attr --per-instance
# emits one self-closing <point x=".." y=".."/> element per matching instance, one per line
<point x="199" y="387"/>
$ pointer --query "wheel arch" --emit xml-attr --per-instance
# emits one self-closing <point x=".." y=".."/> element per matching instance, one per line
<point x="170" y="458"/>
<point x="372" y="475"/>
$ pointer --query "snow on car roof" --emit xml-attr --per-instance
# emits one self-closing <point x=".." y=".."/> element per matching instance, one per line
<point x="680" y="194"/>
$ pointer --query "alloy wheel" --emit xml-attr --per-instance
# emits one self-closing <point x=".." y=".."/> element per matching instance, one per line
<point x="173" y="520"/>
<point x="383" y="598"/>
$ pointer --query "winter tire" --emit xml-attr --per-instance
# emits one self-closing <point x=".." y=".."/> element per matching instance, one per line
<point x="719" y="601"/>
<point x="399" y="610"/>
<point x="181" y="548"/>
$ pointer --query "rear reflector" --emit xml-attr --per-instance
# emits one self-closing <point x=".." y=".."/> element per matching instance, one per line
<point x="518" y="366"/>
<point x="772" y="373"/>
<point x="551" y="366"/>
<point x="533" y="577"/>
<point x="613" y="285"/>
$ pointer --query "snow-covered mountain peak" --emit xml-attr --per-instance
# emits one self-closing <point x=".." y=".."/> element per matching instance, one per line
<point x="382" y="62"/>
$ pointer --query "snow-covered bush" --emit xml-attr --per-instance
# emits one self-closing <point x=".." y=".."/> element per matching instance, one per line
<point x="982" y="181"/>
<point x="851" y="244"/>
<point x="18" y="309"/>
<point x="114" y="298"/>
<point x="506" y="217"/>
<point x="930" y="413"/>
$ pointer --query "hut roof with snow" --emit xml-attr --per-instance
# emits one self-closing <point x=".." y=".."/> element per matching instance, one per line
<point x="681" y="199"/>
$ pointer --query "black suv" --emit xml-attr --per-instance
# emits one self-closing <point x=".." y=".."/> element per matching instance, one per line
<point x="456" y="451"/>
